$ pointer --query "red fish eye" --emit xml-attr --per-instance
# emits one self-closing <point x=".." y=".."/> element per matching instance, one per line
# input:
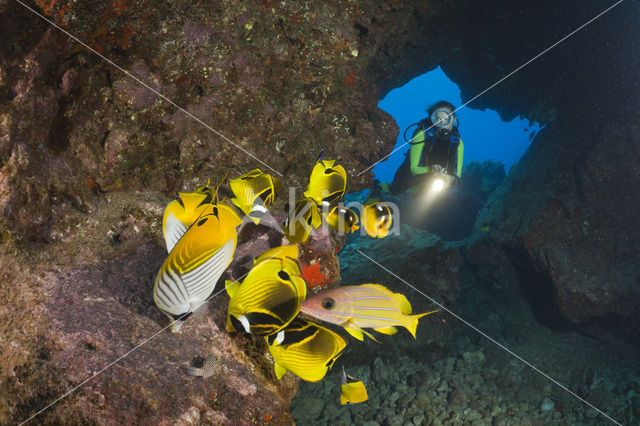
<point x="328" y="303"/>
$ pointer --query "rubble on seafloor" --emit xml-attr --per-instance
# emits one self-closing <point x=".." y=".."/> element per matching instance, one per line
<point x="478" y="385"/>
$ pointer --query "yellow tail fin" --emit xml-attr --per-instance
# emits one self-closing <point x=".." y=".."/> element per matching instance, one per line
<point x="412" y="322"/>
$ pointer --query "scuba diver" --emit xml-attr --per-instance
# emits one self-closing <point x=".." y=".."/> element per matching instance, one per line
<point x="435" y="153"/>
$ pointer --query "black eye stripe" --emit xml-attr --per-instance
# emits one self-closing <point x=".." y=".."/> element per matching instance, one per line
<point x="284" y="276"/>
<point x="202" y="221"/>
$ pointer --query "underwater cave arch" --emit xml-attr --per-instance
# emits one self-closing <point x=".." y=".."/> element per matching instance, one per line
<point x="492" y="147"/>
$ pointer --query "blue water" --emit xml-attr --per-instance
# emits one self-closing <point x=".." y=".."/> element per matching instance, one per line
<point x="485" y="135"/>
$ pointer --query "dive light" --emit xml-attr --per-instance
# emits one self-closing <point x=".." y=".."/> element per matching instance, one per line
<point x="437" y="185"/>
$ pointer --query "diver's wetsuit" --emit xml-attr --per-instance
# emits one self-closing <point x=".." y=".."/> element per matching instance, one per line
<point x="443" y="147"/>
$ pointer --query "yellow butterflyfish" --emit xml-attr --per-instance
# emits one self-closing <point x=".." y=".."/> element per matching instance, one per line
<point x="352" y="390"/>
<point x="268" y="298"/>
<point x="254" y="192"/>
<point x="327" y="184"/>
<point x="190" y="272"/>
<point x="306" y="349"/>
<point x="305" y="217"/>
<point x="343" y="219"/>
<point x="377" y="219"/>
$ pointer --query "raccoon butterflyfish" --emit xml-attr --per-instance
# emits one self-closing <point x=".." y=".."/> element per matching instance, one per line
<point x="180" y="214"/>
<point x="343" y="219"/>
<point x="327" y="183"/>
<point x="268" y="298"/>
<point x="190" y="272"/>
<point x="254" y="192"/>
<point x="352" y="390"/>
<point x="355" y="307"/>
<point x="305" y="217"/>
<point x="306" y="349"/>
<point x="279" y="252"/>
<point x="377" y="219"/>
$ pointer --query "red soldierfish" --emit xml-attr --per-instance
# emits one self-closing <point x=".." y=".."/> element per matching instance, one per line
<point x="355" y="307"/>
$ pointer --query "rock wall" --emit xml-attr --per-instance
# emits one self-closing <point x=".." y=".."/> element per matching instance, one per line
<point x="88" y="158"/>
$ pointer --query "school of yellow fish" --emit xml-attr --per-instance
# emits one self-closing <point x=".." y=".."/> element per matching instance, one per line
<point x="200" y="232"/>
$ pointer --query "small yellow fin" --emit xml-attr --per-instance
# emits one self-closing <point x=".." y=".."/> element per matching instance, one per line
<point x="230" y="327"/>
<point x="231" y="287"/>
<point x="412" y="322"/>
<point x="280" y="370"/>
<point x="387" y="330"/>
<point x="191" y="200"/>
<point x="357" y="332"/>
<point x="236" y="203"/>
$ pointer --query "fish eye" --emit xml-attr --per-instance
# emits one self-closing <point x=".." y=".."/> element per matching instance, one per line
<point x="202" y="221"/>
<point x="284" y="276"/>
<point x="328" y="171"/>
<point x="328" y="303"/>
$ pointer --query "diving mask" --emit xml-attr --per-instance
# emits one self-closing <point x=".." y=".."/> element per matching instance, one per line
<point x="442" y="117"/>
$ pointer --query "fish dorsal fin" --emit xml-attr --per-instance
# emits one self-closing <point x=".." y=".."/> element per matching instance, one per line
<point x="328" y="164"/>
<point x="399" y="298"/>
<point x="405" y="306"/>
<point x="192" y="200"/>
<point x="280" y="370"/>
<point x="379" y="288"/>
